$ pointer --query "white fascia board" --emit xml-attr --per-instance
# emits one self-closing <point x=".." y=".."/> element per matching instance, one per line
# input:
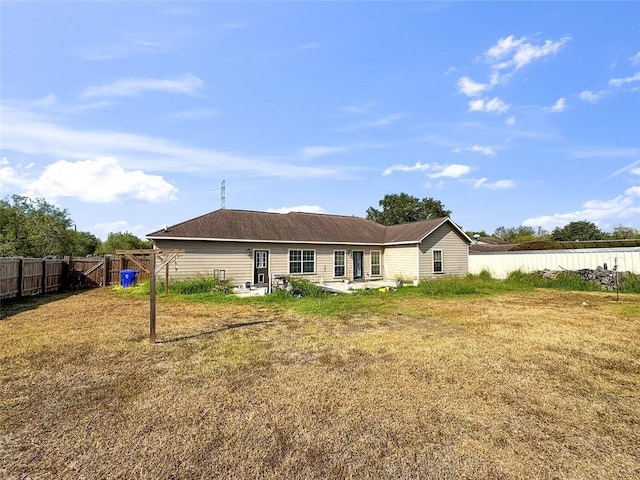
<point x="243" y="240"/>
<point x="408" y="242"/>
<point x="453" y="224"/>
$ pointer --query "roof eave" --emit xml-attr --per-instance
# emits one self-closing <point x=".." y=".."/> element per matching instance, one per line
<point x="453" y="224"/>
<point x="244" y="240"/>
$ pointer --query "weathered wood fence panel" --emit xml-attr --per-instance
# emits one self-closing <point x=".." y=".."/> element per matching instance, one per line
<point x="10" y="277"/>
<point x="32" y="271"/>
<point x="54" y="275"/>
<point x="21" y="277"/>
<point x="103" y="271"/>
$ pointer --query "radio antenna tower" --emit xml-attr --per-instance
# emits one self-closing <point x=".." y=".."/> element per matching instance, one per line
<point x="222" y="195"/>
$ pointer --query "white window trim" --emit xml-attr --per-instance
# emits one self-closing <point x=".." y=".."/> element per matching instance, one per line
<point x="302" y="250"/>
<point x="344" y="253"/>
<point x="371" y="263"/>
<point x="433" y="262"/>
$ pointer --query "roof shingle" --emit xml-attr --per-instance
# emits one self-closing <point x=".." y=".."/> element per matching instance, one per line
<point x="245" y="225"/>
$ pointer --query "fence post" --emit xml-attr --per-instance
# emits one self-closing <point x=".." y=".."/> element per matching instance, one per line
<point x="66" y="267"/>
<point x="20" y="279"/>
<point x="152" y="298"/>
<point x="44" y="276"/>
<point x="105" y="273"/>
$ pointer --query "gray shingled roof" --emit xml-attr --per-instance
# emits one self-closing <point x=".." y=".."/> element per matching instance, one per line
<point x="244" y="225"/>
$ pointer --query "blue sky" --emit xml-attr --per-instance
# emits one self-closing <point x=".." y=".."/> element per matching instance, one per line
<point x="130" y="115"/>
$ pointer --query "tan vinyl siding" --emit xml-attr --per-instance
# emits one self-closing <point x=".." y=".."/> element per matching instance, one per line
<point x="400" y="261"/>
<point x="455" y="253"/>
<point x="203" y="258"/>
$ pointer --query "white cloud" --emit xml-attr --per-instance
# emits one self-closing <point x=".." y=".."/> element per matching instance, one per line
<point x="454" y="170"/>
<point x="510" y="121"/>
<point x="320" y="151"/>
<point x="618" y="82"/>
<point x="590" y="97"/>
<point x="504" y="47"/>
<point x="483" y="150"/>
<point x="559" y="106"/>
<point x="103" y="229"/>
<point x="635" y="171"/>
<point x="635" y="59"/>
<point x="357" y="109"/>
<point x="101" y="180"/>
<point x="497" y="185"/>
<point x="24" y="132"/>
<point x="488" y="105"/>
<point x="418" y="167"/>
<point x="471" y="88"/>
<point x="384" y="121"/>
<point x="126" y="46"/>
<point x="187" y="84"/>
<point x="51" y="103"/>
<point x="476" y="149"/>
<point x="518" y="52"/>
<point x="9" y="177"/>
<point x="622" y="207"/>
<point x="299" y="208"/>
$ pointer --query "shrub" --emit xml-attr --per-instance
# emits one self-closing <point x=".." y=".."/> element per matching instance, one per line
<point x="562" y="281"/>
<point x="630" y="283"/>
<point x="192" y="286"/>
<point x="305" y="288"/>
<point x="523" y="279"/>
<point x="485" y="275"/>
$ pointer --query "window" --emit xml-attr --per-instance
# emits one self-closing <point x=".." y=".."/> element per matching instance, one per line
<point x="302" y="261"/>
<point x="261" y="259"/>
<point x="438" y="266"/>
<point x="376" y="267"/>
<point x="339" y="263"/>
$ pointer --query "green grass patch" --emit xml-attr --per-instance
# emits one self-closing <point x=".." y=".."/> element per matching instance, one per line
<point x="630" y="283"/>
<point x="563" y="281"/>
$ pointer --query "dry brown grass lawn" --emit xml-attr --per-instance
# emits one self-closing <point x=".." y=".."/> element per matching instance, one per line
<point x="517" y="386"/>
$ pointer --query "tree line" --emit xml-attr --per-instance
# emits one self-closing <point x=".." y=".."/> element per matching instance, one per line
<point x="36" y="228"/>
<point x="403" y="208"/>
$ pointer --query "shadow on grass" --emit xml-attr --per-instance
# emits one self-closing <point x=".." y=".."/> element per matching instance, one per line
<point x="217" y="330"/>
<point x="14" y="306"/>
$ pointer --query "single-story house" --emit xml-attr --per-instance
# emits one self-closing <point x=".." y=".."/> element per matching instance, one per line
<point x="259" y="247"/>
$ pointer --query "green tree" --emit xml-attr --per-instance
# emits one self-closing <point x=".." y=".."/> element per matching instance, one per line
<point x="521" y="234"/>
<point x="621" y="232"/>
<point x="84" y="243"/>
<point x="582" y="230"/>
<point x="480" y="233"/>
<point x="33" y="228"/>
<point x="403" y="208"/>
<point x="122" y="241"/>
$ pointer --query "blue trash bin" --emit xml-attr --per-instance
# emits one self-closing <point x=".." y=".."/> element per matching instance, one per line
<point x="128" y="278"/>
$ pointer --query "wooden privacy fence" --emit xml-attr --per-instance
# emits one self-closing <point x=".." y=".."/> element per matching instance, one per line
<point x="103" y="271"/>
<point x="21" y="277"/>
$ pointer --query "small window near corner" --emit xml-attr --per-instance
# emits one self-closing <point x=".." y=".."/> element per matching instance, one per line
<point x="438" y="265"/>
<point x="376" y="263"/>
